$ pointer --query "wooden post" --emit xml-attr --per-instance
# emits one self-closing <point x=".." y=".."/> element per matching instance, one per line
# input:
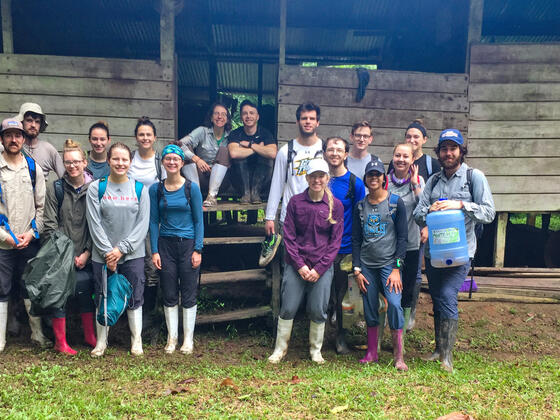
<point x="475" y="28"/>
<point x="500" y="243"/>
<point x="532" y="219"/>
<point x="7" y="33"/>
<point x="283" y="13"/>
<point x="259" y="85"/>
<point x="167" y="51"/>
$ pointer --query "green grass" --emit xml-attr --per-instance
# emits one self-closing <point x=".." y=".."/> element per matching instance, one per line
<point x="43" y="385"/>
<point x="521" y="219"/>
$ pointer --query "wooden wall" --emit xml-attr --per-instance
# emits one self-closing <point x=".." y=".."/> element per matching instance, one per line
<point x="76" y="92"/>
<point x="514" y="124"/>
<point x="393" y="100"/>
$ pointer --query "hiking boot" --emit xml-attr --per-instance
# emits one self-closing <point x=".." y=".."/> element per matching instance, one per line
<point x="269" y="248"/>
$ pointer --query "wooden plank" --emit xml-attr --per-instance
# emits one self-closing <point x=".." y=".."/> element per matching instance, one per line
<point x="234" y="205"/>
<point x="514" y="111"/>
<point x="476" y="9"/>
<point x="241" y="240"/>
<point x="7" y="27"/>
<point x="500" y="242"/>
<point x="514" y="147"/>
<point x="514" y="129"/>
<point x="516" y="166"/>
<point x="378" y="79"/>
<point x="524" y="203"/>
<point x="515" y="73"/>
<point x="335" y="115"/>
<point x="498" y="270"/>
<point x="233" y="315"/>
<point x="97" y="108"/>
<point x="487" y="294"/>
<point x="514" y="184"/>
<point x="386" y="99"/>
<point x="510" y="92"/>
<point x="105" y="68"/>
<point x="516" y="53"/>
<point x="118" y="127"/>
<point x="282" y="33"/>
<point x="233" y="276"/>
<point x="87" y="87"/>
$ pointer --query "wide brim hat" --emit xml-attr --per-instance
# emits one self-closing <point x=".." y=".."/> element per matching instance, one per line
<point x="36" y="109"/>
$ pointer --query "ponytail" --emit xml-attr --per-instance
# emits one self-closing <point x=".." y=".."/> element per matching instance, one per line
<point x="330" y="199"/>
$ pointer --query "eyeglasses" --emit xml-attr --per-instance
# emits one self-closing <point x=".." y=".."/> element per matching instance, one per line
<point x="172" y="159"/>
<point x="72" y="162"/>
<point x="361" y="136"/>
<point x="220" y="114"/>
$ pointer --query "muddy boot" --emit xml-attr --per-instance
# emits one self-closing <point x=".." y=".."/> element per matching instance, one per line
<point x="14" y="326"/>
<point x="172" y="322"/>
<point x="406" y="313"/>
<point x="382" y="318"/>
<point x="437" y="335"/>
<point x="397" y="336"/>
<point x="372" y="338"/>
<point x="340" y="344"/>
<point x="242" y="177"/>
<point x="316" y="335"/>
<point x="283" y="332"/>
<point x="102" y="339"/>
<point x="415" y="294"/>
<point x="37" y="335"/>
<point x="189" y="322"/>
<point x="259" y="178"/>
<point x="448" y="336"/>
<point x="3" y="324"/>
<point x="59" y="329"/>
<point x="88" y="325"/>
<point x="216" y="177"/>
<point x="135" y="325"/>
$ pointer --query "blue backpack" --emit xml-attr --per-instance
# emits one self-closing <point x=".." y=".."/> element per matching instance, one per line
<point x="117" y="293"/>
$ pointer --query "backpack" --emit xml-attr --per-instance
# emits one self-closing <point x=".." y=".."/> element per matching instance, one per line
<point x="292" y="153"/>
<point x="161" y="195"/>
<point x="157" y="162"/>
<point x="3" y="218"/>
<point x="429" y="165"/>
<point x="103" y="187"/>
<point x="116" y="293"/>
<point x="393" y="200"/>
<point x="351" y="193"/>
<point x="59" y="192"/>
<point x="478" y="227"/>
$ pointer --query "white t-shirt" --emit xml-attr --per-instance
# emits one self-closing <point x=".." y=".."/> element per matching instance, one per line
<point x="144" y="170"/>
<point x="296" y="183"/>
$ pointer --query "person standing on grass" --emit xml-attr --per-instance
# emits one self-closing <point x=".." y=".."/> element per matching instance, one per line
<point x="359" y="156"/>
<point x="312" y="233"/>
<point x="99" y="139"/>
<point x="176" y="233"/>
<point x="405" y="182"/>
<point x="118" y="214"/>
<point x="207" y="157"/>
<point x="288" y="178"/>
<point x="22" y="202"/>
<point x="65" y="210"/>
<point x="455" y="187"/>
<point x="349" y="189"/>
<point x="379" y="238"/>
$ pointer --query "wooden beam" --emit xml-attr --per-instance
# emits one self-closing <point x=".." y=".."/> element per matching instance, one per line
<point x="234" y="315"/>
<point x="7" y="32"/>
<point x="282" y="43"/>
<point x="258" y="274"/>
<point x="167" y="37"/>
<point x="234" y="240"/>
<point x="259" y="85"/>
<point x="500" y="243"/>
<point x="475" y="28"/>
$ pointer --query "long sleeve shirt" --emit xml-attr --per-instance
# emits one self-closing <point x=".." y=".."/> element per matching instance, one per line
<point x="310" y="239"/>
<point x="177" y="218"/>
<point x="478" y="208"/>
<point x="20" y="204"/>
<point x="202" y="143"/>
<point x="119" y="220"/>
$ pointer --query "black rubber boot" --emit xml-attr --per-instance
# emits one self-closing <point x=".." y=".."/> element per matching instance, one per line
<point x="415" y="294"/>
<point x="340" y="344"/>
<point x="437" y="334"/>
<point x="242" y="179"/>
<point x="260" y="175"/>
<point x="448" y="337"/>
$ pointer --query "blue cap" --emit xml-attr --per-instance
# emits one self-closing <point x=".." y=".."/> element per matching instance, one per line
<point x="374" y="165"/>
<point x="451" y="134"/>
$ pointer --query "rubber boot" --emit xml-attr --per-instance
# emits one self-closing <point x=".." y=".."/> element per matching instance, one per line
<point x="316" y="335"/>
<point x="406" y="313"/>
<point x="437" y="336"/>
<point x="257" y="182"/>
<point x="191" y="173"/>
<point x="372" y="338"/>
<point x="341" y="346"/>
<point x="448" y="336"/>
<point x="88" y="327"/>
<point x="3" y="324"/>
<point x="59" y="329"/>
<point x="382" y="319"/>
<point x="102" y="338"/>
<point x="283" y="333"/>
<point x="135" y="325"/>
<point x="37" y="335"/>
<point x="243" y="178"/>
<point x="189" y="321"/>
<point x="415" y="295"/>
<point x="216" y="177"/>
<point x="14" y="326"/>
<point x="172" y="322"/>
<point x="397" y="336"/>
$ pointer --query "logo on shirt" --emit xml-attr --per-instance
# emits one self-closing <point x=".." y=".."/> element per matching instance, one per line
<point x="374" y="228"/>
<point x="301" y="166"/>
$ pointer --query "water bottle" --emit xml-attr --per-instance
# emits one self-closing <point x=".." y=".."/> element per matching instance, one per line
<point x="447" y="238"/>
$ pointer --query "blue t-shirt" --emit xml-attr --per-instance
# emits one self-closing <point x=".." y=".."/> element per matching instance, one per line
<point x="339" y="187"/>
<point x="98" y="169"/>
<point x="183" y="219"/>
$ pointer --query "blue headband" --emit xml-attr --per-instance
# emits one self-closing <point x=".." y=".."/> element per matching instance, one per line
<point x="172" y="148"/>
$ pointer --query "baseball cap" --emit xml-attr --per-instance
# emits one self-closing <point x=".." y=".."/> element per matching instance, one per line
<point x="36" y="109"/>
<point x="451" y="134"/>
<point x="11" y="124"/>
<point x="317" y="165"/>
<point x="374" y="165"/>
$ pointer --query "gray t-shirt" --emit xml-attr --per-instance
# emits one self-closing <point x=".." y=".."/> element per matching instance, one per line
<point x="410" y="201"/>
<point x="46" y="157"/>
<point x="119" y="219"/>
<point x="358" y="166"/>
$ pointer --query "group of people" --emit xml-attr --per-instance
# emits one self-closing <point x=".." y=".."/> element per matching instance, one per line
<point x="140" y="213"/>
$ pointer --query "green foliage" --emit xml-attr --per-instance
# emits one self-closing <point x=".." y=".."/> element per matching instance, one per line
<point x="521" y="219"/>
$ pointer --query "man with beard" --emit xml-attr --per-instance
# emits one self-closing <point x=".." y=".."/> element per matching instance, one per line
<point x="349" y="189"/>
<point x="34" y="122"/>
<point x="455" y="187"/>
<point x="252" y="150"/>
<point x="359" y="156"/>
<point x="22" y="200"/>
<point x="290" y="169"/>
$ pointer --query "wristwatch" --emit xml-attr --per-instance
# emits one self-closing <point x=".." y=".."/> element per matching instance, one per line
<point x="399" y="263"/>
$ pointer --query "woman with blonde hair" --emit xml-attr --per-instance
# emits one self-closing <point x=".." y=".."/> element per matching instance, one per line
<point x="312" y="234"/>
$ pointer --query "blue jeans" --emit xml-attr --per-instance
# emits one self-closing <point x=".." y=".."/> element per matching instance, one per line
<point x="444" y="284"/>
<point x="377" y="278"/>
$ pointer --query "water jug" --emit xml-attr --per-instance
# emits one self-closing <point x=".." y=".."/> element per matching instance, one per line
<point x="447" y="238"/>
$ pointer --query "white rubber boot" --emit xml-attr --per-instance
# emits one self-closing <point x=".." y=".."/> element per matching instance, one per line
<point x="283" y="333"/>
<point x="316" y="334"/>
<point x="3" y="324"/>
<point x="189" y="320"/>
<point x="102" y="339"/>
<point x="37" y="335"/>
<point x="172" y="322"/>
<point x="191" y="173"/>
<point x="135" y="325"/>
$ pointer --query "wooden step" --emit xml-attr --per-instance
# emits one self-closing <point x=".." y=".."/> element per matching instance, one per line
<point x="233" y="205"/>
<point x="233" y="240"/>
<point x="234" y="315"/>
<point x="258" y="274"/>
